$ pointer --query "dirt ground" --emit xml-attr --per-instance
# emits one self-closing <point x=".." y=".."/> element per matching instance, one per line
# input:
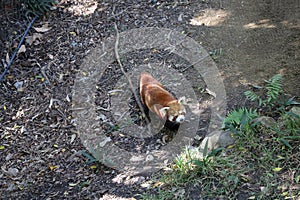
<point x="41" y="155"/>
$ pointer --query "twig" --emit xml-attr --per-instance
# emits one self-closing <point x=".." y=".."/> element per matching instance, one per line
<point x="17" y="49"/>
<point x="44" y="73"/>
<point x="126" y="75"/>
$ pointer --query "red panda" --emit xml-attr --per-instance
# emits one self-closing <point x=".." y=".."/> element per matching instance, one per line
<point x="160" y="101"/>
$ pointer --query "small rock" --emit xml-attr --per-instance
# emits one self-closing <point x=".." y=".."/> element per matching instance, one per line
<point x="74" y="44"/>
<point x="13" y="171"/>
<point x="197" y="137"/>
<point x="105" y="141"/>
<point x="296" y="110"/>
<point x="226" y="138"/>
<point x="265" y="121"/>
<point x="149" y="158"/>
<point x="8" y="157"/>
<point x="19" y="85"/>
<point x="217" y="138"/>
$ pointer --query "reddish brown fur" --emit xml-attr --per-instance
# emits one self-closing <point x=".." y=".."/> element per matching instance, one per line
<point x="155" y="97"/>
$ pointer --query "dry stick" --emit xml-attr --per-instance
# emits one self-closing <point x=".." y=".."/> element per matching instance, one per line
<point x="126" y="75"/>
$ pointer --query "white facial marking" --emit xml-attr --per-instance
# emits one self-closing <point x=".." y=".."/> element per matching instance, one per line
<point x="171" y="118"/>
<point x="182" y="100"/>
<point x="163" y="111"/>
<point x="180" y="118"/>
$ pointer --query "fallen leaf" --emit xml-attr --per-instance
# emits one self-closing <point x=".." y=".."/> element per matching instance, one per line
<point x="7" y="58"/>
<point x="2" y="147"/>
<point x="93" y="167"/>
<point x="53" y="167"/>
<point x="73" y="137"/>
<point x="157" y="184"/>
<point x="211" y="92"/>
<point x="68" y="98"/>
<point x="42" y="29"/>
<point x="22" y="49"/>
<point x="32" y="38"/>
<point x="297" y="179"/>
<point x="51" y="103"/>
<point x="277" y="169"/>
<point x="284" y="194"/>
<point x="19" y="114"/>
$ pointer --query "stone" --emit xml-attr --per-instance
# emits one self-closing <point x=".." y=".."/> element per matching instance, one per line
<point x="266" y="121"/>
<point x="296" y="110"/>
<point x="217" y="139"/>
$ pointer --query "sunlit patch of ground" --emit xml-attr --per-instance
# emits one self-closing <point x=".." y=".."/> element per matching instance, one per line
<point x="210" y="17"/>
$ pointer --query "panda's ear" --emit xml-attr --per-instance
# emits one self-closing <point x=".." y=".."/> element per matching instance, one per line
<point x="182" y="100"/>
<point x="163" y="112"/>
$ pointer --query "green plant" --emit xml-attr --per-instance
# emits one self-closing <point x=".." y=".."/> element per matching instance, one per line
<point x="111" y="127"/>
<point x="283" y="104"/>
<point x="96" y="156"/>
<point x="288" y="131"/>
<point x="239" y="119"/>
<point x="205" y="164"/>
<point x="273" y="90"/>
<point x="38" y="7"/>
<point x="216" y="54"/>
<point x="161" y="195"/>
<point x="90" y="159"/>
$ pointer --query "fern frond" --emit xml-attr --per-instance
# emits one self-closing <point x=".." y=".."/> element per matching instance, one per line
<point x="236" y="116"/>
<point x="274" y="88"/>
<point x="253" y="97"/>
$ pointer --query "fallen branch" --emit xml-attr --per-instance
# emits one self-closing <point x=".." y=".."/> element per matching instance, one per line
<point x="126" y="75"/>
